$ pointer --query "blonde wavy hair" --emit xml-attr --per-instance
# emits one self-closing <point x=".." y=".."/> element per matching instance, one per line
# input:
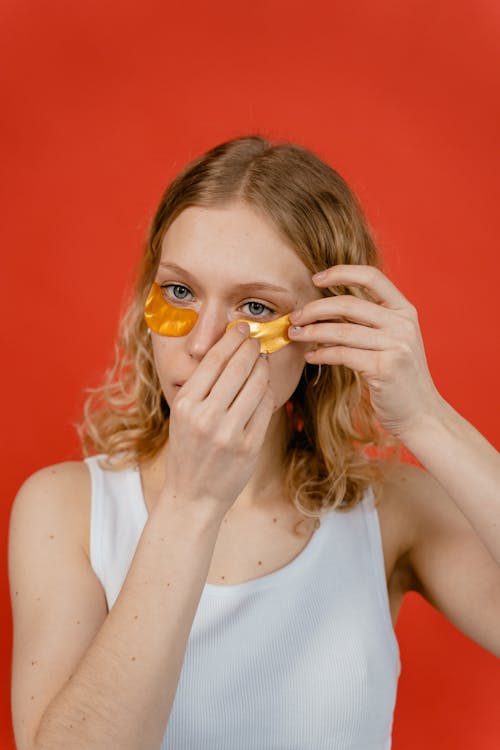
<point x="341" y="448"/>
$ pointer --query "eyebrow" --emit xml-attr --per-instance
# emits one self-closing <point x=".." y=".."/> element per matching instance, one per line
<point x="239" y="287"/>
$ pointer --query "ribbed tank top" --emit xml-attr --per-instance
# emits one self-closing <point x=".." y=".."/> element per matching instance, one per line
<point x="304" y="658"/>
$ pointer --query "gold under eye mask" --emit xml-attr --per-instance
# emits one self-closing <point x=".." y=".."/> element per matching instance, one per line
<point x="273" y="335"/>
<point x="165" y="319"/>
<point x="168" y="320"/>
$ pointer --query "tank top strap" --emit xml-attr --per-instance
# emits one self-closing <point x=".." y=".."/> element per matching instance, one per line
<point x="117" y="517"/>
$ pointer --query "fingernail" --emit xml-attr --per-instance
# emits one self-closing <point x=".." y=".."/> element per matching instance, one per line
<point x="243" y="328"/>
<point x="264" y="356"/>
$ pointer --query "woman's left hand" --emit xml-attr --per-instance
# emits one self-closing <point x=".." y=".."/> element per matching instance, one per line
<point x="381" y="341"/>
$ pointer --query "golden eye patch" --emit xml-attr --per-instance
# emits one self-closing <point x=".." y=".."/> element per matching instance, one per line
<point x="273" y="335"/>
<point x="168" y="320"/>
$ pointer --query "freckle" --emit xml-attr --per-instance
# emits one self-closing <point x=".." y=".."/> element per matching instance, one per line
<point x="168" y="584"/>
<point x="133" y="658"/>
<point x="53" y="471"/>
<point x="51" y="536"/>
<point x="223" y="577"/>
<point x="71" y="726"/>
<point x="135" y="617"/>
<point x="274" y="520"/>
<point x="38" y="598"/>
<point x="78" y="622"/>
<point x="84" y="718"/>
<point x="34" y="662"/>
<point x="260" y="562"/>
<point x="32" y="698"/>
<point x="17" y="592"/>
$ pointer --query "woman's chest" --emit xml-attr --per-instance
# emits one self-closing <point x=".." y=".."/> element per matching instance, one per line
<point x="249" y="548"/>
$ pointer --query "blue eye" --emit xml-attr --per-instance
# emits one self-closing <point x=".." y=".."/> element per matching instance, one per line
<point x="173" y="295"/>
<point x="174" y="288"/>
<point x="259" y="305"/>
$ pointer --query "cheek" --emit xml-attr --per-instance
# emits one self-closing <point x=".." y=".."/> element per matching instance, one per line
<point x="164" y="355"/>
<point x="286" y="367"/>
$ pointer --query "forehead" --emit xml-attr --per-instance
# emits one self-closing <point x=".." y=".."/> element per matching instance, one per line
<point x="234" y="243"/>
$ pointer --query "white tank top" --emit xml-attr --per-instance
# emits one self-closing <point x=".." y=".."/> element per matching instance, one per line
<point x="304" y="658"/>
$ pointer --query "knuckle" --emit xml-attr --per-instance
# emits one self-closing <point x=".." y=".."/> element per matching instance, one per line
<point x="341" y="332"/>
<point x="371" y="273"/>
<point x="222" y="439"/>
<point x="346" y="303"/>
<point x="408" y="327"/>
<point x="404" y="346"/>
<point x="183" y="405"/>
<point x="203" y="425"/>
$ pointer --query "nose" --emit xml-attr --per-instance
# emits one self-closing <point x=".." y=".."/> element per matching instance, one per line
<point x="208" y="329"/>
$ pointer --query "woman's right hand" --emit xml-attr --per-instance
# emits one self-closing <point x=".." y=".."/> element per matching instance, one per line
<point x="218" y="421"/>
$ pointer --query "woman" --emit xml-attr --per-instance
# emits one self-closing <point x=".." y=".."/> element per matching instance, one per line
<point x="242" y="541"/>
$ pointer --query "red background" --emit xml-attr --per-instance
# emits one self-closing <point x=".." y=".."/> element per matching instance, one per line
<point x="105" y="102"/>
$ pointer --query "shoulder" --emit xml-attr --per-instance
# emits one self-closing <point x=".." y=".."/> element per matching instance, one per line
<point x="400" y="514"/>
<point x="415" y="503"/>
<point x="411" y="488"/>
<point x="58" y="494"/>
<point x="405" y="487"/>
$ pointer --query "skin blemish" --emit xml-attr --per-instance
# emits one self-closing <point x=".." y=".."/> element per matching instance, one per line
<point x="260" y="562"/>
<point x="51" y="536"/>
<point x="78" y="622"/>
<point x="274" y="520"/>
<point x="135" y="617"/>
<point x="17" y="592"/>
<point x="34" y="662"/>
<point x="223" y="577"/>
<point x="133" y="658"/>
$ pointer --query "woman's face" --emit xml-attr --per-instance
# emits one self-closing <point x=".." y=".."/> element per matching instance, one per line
<point x="217" y="262"/>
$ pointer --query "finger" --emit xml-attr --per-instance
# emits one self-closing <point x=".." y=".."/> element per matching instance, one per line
<point x="213" y="363"/>
<point x="345" y="307"/>
<point x="256" y="426"/>
<point x="370" y="278"/>
<point x="235" y="374"/>
<point x="347" y="334"/>
<point x="361" y="360"/>
<point x="249" y="398"/>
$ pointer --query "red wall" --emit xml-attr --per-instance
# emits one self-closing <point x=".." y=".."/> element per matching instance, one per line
<point x="104" y="102"/>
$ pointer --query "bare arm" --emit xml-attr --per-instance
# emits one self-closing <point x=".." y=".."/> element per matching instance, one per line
<point x="122" y="691"/>
<point x="465" y="464"/>
<point x="110" y="683"/>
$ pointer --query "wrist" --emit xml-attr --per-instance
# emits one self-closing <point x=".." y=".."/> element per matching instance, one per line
<point x="203" y="512"/>
<point x="429" y="421"/>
